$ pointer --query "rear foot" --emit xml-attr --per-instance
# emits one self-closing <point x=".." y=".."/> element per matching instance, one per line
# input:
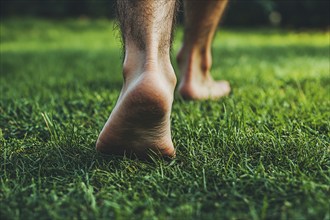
<point x="203" y="89"/>
<point x="140" y="121"/>
<point x="196" y="81"/>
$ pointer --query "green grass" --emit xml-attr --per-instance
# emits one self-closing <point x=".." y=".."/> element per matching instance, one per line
<point x="261" y="153"/>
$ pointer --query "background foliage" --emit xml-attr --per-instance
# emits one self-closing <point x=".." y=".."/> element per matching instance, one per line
<point x="293" y="13"/>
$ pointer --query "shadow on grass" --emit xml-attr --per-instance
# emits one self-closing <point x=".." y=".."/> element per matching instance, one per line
<point x="66" y="157"/>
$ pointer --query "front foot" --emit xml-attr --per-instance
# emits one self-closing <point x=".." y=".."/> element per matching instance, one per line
<point x="140" y="121"/>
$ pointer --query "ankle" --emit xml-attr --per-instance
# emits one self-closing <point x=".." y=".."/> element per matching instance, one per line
<point x="198" y="58"/>
<point x="140" y="62"/>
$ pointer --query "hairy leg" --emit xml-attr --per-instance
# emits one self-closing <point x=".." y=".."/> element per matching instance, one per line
<point x="195" y="58"/>
<point x="140" y="120"/>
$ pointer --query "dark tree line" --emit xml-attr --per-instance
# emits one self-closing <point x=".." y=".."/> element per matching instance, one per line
<point x="287" y="13"/>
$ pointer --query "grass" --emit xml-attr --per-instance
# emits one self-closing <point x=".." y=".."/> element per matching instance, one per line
<point x="261" y="153"/>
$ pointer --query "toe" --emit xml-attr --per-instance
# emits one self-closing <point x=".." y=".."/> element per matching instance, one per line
<point x="224" y="87"/>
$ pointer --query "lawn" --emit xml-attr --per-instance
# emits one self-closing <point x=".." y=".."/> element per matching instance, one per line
<point x="261" y="153"/>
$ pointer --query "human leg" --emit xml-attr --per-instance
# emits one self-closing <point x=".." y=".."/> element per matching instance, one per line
<point x="195" y="58"/>
<point x="140" y="121"/>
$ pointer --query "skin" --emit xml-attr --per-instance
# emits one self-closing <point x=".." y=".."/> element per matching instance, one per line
<point x="195" y="58"/>
<point x="140" y="121"/>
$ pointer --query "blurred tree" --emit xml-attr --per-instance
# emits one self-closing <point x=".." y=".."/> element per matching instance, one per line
<point x="304" y="13"/>
<point x="251" y="12"/>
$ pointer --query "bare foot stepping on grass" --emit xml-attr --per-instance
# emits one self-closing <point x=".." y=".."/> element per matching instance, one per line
<point x="196" y="81"/>
<point x="140" y="120"/>
<point x="195" y="57"/>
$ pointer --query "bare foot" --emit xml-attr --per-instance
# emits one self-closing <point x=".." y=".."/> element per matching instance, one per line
<point x="140" y="121"/>
<point x="196" y="81"/>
